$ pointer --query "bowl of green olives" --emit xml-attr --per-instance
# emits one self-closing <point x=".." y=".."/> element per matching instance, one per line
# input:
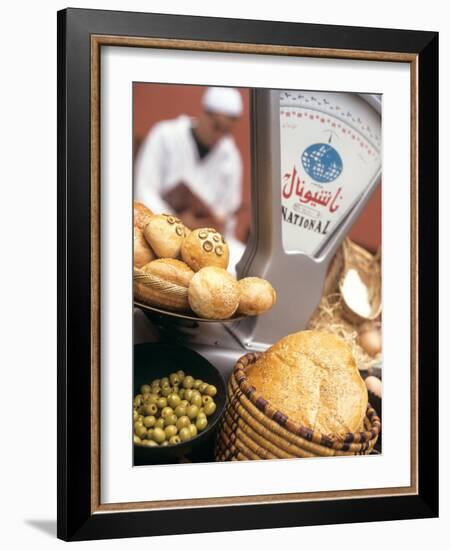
<point x="178" y="399"/>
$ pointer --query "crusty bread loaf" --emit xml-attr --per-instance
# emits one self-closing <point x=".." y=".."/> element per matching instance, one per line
<point x="141" y="214"/>
<point x="205" y="247"/>
<point x="312" y="377"/>
<point x="165" y="234"/>
<point x="171" y="270"/>
<point x="256" y="296"/>
<point x="163" y="283"/>
<point x="141" y="249"/>
<point x="213" y="293"/>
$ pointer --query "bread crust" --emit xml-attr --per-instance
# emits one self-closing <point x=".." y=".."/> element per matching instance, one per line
<point x="312" y="377"/>
<point x="142" y="252"/>
<point x="141" y="214"/>
<point x="213" y="293"/>
<point x="256" y="296"/>
<point x="205" y="247"/>
<point x="171" y="270"/>
<point x="165" y="234"/>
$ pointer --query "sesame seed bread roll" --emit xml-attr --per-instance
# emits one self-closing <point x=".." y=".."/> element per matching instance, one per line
<point x="213" y="293"/>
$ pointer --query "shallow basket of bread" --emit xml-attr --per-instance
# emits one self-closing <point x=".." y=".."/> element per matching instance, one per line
<point x="303" y="397"/>
<point x="183" y="271"/>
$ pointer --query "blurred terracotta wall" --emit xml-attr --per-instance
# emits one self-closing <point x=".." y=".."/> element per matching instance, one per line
<point x="155" y="102"/>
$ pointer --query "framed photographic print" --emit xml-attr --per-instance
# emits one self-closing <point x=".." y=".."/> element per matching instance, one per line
<point x="247" y="255"/>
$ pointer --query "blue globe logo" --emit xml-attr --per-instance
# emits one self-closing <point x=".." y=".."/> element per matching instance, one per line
<point x="322" y="162"/>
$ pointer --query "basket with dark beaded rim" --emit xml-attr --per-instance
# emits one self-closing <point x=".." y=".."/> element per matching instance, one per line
<point x="252" y="429"/>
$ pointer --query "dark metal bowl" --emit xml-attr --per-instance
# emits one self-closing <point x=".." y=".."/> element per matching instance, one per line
<point x="157" y="360"/>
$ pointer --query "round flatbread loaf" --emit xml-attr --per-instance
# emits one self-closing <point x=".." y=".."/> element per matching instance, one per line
<point x="142" y="252"/>
<point x="165" y="234"/>
<point x="257" y="296"/>
<point x="312" y="377"/>
<point x="141" y="214"/>
<point x="213" y="293"/>
<point x="205" y="247"/>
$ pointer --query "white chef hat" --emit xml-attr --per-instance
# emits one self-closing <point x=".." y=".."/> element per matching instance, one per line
<point x="227" y="101"/>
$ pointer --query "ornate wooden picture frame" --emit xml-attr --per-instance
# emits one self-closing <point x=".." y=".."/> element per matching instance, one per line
<point x="81" y="36"/>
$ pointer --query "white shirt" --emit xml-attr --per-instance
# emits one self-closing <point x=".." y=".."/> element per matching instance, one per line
<point x="169" y="156"/>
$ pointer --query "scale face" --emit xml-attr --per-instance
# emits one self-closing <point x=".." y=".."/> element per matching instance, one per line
<point x="329" y="152"/>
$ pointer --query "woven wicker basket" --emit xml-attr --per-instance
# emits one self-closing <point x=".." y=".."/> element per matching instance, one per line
<point x="369" y="269"/>
<point x="154" y="291"/>
<point x="251" y="429"/>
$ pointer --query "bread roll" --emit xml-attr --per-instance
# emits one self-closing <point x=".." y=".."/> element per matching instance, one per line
<point x="142" y="250"/>
<point x="257" y="296"/>
<point x="213" y="293"/>
<point x="163" y="283"/>
<point x="171" y="270"/>
<point x="165" y="234"/>
<point x="205" y="247"/>
<point x="312" y="378"/>
<point x="141" y="214"/>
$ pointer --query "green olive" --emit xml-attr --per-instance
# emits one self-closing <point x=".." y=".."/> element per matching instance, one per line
<point x="181" y="375"/>
<point x="173" y="400"/>
<point x="150" y="409"/>
<point x="162" y="402"/>
<point x="156" y="382"/>
<point x="185" y="434"/>
<point x="159" y="435"/>
<point x="192" y="411"/>
<point x="202" y="387"/>
<point x="211" y="390"/>
<point x="145" y="388"/>
<point x="188" y="394"/>
<point x="197" y="400"/>
<point x="170" y="419"/>
<point x="180" y="411"/>
<point x="166" y="391"/>
<point x="207" y="399"/>
<point x="137" y="424"/>
<point x="156" y="390"/>
<point x="149" y="421"/>
<point x="137" y="440"/>
<point x="174" y="440"/>
<point x="165" y="443"/>
<point x="151" y="398"/>
<point x="151" y="443"/>
<point x="201" y="423"/>
<point x="193" y="430"/>
<point x="150" y="433"/>
<point x="159" y="423"/>
<point x="197" y="383"/>
<point x="141" y="431"/>
<point x="188" y="382"/>
<point x="170" y="431"/>
<point x="165" y="382"/>
<point x="181" y="393"/>
<point x="209" y="408"/>
<point x="166" y="411"/>
<point x="135" y="415"/>
<point x="174" y="379"/>
<point x="184" y="403"/>
<point x="175" y="390"/>
<point x="183" y="422"/>
<point x="140" y="419"/>
<point x="201" y="413"/>
<point x="137" y="400"/>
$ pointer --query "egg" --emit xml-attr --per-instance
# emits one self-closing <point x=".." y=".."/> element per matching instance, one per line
<point x="370" y="341"/>
<point x="374" y="385"/>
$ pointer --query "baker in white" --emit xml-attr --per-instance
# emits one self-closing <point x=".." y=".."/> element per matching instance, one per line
<point x="191" y="167"/>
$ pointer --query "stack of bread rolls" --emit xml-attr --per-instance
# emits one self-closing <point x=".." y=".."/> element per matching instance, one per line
<point x="182" y="270"/>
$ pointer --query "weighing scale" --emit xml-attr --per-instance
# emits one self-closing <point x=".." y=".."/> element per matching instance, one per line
<point x="316" y="160"/>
